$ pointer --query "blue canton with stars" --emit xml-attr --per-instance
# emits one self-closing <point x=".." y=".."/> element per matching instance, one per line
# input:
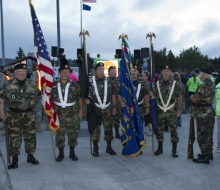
<point x="39" y="37"/>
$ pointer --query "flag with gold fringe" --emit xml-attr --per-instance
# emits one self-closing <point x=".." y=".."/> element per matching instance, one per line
<point x="132" y="137"/>
<point x="46" y="70"/>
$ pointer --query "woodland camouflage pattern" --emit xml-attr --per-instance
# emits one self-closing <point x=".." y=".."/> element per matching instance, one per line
<point x="205" y="94"/>
<point x="21" y="123"/>
<point x="170" y="115"/>
<point x="118" y="116"/>
<point x="68" y="116"/>
<point x="144" y="91"/>
<point x="107" y="112"/>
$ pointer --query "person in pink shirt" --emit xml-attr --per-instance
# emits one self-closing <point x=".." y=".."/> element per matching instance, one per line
<point x="72" y="76"/>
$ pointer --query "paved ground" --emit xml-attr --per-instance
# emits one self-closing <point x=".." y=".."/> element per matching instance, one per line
<point x="111" y="172"/>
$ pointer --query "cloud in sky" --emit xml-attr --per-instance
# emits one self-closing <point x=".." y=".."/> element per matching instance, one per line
<point x="177" y="24"/>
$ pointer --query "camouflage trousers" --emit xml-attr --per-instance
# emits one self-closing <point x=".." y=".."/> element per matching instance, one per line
<point x="72" y="126"/>
<point x="205" y="127"/>
<point x="218" y="134"/>
<point x="38" y="108"/>
<point x="116" y="119"/>
<point x="22" y="123"/>
<point x="170" y="116"/>
<point x="107" y="123"/>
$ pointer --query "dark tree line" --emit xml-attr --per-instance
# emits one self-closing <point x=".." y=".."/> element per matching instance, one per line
<point x="189" y="59"/>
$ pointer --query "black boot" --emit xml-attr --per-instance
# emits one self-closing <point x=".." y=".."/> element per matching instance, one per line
<point x="14" y="163"/>
<point x="174" y="152"/>
<point x="117" y="135"/>
<point x="210" y="156"/>
<point x="31" y="159"/>
<point x="159" y="149"/>
<point x="109" y="148"/>
<point x="60" y="157"/>
<point x="72" y="154"/>
<point x="95" y="149"/>
<point x="202" y="159"/>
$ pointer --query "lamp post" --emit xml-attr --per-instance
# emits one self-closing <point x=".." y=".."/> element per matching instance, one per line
<point x="2" y="34"/>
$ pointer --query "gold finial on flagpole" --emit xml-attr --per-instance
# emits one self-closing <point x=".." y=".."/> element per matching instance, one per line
<point x="150" y="35"/>
<point x="123" y="36"/>
<point x="84" y="33"/>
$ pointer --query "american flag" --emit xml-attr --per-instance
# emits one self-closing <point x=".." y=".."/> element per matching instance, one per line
<point x="89" y="1"/>
<point x="46" y="71"/>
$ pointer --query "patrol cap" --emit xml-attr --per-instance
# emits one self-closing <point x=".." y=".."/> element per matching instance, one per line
<point x="64" y="67"/>
<point x="205" y="70"/>
<point x="111" y="67"/>
<point x="99" y="64"/>
<point x="20" y="66"/>
<point x="165" y="67"/>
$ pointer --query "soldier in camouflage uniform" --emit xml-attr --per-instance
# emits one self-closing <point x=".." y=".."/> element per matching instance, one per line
<point x="38" y="108"/>
<point x="103" y="92"/>
<point x="167" y="94"/>
<point x="142" y="93"/>
<point x="69" y="107"/>
<point x="117" y="117"/>
<point x="204" y="113"/>
<point x="177" y="78"/>
<point x="20" y="95"/>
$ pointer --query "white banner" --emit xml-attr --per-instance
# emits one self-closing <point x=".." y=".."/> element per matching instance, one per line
<point x="56" y="71"/>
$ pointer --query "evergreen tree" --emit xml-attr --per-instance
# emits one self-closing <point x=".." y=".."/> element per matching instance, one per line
<point x="20" y="53"/>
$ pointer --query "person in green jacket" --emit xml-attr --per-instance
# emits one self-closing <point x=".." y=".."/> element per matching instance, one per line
<point x="217" y="96"/>
<point x="97" y="59"/>
<point x="192" y="83"/>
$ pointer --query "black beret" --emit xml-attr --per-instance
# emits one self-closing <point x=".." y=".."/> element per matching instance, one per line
<point x="99" y="64"/>
<point x="165" y="67"/>
<point x="205" y="70"/>
<point x="64" y="67"/>
<point x="111" y="67"/>
<point x="20" y="66"/>
<point x="135" y="66"/>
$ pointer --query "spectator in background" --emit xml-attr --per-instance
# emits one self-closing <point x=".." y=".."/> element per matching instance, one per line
<point x="186" y="75"/>
<point x="144" y="67"/>
<point x="90" y="62"/>
<point x="177" y="78"/>
<point x="192" y="84"/>
<point x="29" y="72"/>
<point x="72" y="76"/>
<point x="183" y="80"/>
<point x="63" y="60"/>
<point x="218" y="78"/>
<point x="79" y="64"/>
<point x="97" y="59"/>
<point x="10" y="73"/>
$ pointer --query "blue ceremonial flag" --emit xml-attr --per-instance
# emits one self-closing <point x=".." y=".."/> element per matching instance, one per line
<point x="86" y="7"/>
<point x="153" y="102"/>
<point x="132" y="137"/>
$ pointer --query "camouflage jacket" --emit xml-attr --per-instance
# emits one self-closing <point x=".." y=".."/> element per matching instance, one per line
<point x="73" y="95"/>
<point x="20" y="97"/>
<point x="205" y="94"/>
<point x="144" y="89"/>
<point x="117" y="83"/>
<point x="182" y="87"/>
<point x="165" y="88"/>
<point x="111" y="90"/>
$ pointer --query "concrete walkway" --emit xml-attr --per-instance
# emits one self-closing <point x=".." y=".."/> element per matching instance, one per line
<point x="111" y="172"/>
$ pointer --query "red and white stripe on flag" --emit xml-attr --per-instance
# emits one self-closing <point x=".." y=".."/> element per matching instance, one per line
<point x="89" y="1"/>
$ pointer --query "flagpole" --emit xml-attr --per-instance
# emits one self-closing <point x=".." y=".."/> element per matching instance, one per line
<point x="2" y="34"/>
<point x="58" y="31"/>
<point x="80" y="23"/>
